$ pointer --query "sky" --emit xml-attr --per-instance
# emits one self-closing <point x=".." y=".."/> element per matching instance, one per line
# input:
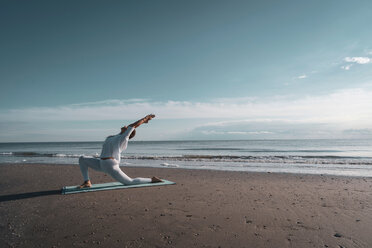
<point x="79" y="70"/>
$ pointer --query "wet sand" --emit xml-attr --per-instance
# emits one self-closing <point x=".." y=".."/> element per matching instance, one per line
<point x="204" y="209"/>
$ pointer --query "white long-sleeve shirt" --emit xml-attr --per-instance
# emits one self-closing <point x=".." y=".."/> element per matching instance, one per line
<point x="114" y="145"/>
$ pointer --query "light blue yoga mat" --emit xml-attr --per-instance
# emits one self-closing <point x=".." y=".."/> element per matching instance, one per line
<point x="110" y="186"/>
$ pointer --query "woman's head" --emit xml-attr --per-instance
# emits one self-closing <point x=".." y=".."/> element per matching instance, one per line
<point x="125" y="128"/>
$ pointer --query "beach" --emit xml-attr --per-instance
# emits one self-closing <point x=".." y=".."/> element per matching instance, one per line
<point x="205" y="208"/>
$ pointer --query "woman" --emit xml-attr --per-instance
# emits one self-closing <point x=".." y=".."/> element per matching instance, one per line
<point x="110" y="157"/>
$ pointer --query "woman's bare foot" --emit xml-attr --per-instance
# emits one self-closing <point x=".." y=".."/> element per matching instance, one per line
<point x="156" y="180"/>
<point x="86" y="184"/>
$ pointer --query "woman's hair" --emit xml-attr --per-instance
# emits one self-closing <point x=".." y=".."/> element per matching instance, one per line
<point x="132" y="134"/>
<point x="130" y="137"/>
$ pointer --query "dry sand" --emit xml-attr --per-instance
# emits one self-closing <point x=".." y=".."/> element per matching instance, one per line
<point x="204" y="209"/>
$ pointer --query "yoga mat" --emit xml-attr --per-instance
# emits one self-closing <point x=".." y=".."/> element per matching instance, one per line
<point x="110" y="186"/>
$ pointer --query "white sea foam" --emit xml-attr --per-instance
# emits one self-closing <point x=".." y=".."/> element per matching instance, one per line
<point x="170" y="165"/>
<point x="6" y="153"/>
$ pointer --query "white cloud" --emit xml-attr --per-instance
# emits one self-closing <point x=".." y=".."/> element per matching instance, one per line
<point x="251" y="132"/>
<point x="236" y="122"/>
<point x="355" y="60"/>
<point x="346" y="67"/>
<point x="365" y="131"/>
<point x="302" y="76"/>
<point x="214" y="132"/>
<point x="110" y="102"/>
<point x="358" y="60"/>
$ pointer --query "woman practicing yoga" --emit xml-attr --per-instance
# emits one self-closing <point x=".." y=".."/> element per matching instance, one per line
<point x="110" y="157"/>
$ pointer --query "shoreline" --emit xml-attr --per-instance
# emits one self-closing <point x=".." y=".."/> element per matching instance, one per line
<point x="199" y="169"/>
<point x="206" y="208"/>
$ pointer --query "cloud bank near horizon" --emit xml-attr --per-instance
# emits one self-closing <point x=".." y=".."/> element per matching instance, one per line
<point x="346" y="106"/>
<point x="279" y="116"/>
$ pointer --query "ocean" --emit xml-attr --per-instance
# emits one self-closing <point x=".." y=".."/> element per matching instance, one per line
<point x="332" y="157"/>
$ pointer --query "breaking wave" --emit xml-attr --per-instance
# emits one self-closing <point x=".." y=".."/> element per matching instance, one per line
<point x="283" y="159"/>
<point x="261" y="159"/>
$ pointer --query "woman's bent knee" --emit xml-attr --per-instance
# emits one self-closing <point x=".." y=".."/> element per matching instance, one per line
<point x="81" y="159"/>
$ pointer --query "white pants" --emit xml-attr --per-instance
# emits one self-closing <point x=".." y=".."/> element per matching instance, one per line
<point x="111" y="167"/>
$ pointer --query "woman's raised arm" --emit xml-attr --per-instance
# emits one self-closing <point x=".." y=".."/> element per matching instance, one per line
<point x="145" y="119"/>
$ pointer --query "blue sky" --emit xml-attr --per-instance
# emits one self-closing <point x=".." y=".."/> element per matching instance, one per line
<point x="78" y="70"/>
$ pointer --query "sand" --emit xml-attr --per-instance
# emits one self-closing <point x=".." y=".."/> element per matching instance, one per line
<point x="204" y="209"/>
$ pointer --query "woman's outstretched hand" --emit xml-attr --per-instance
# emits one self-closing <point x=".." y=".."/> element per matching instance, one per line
<point x="148" y="118"/>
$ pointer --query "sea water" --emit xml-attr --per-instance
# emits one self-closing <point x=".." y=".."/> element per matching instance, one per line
<point x="334" y="157"/>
